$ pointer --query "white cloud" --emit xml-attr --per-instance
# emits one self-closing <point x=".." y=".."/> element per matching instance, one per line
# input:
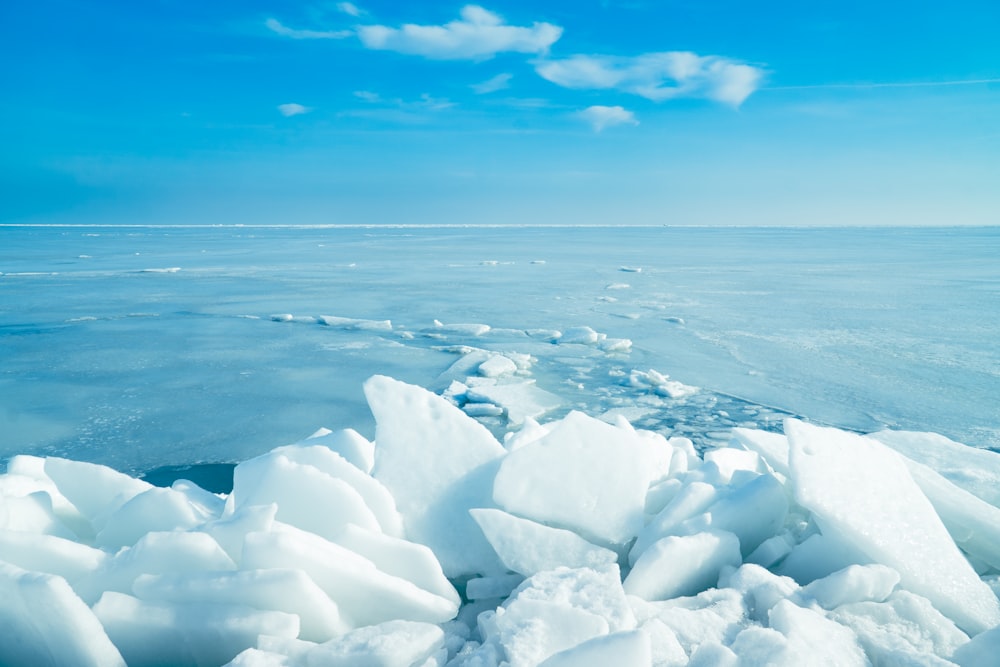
<point x="601" y="117"/>
<point x="499" y="82"/>
<point x="657" y="76"/>
<point x="348" y="8"/>
<point x="478" y="35"/>
<point x="293" y="109"/>
<point x="276" y="26"/>
<point x="367" y="96"/>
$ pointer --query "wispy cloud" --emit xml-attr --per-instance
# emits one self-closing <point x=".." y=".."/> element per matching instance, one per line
<point x="426" y="102"/>
<point x="499" y="82"/>
<point x="293" y="109"/>
<point x="601" y="117"/>
<point x="528" y="103"/>
<point x="478" y="35"/>
<point x="433" y="103"/>
<point x="349" y="8"/>
<point x="278" y="27"/>
<point x="367" y="96"/>
<point x="657" y="76"/>
<point x="397" y="111"/>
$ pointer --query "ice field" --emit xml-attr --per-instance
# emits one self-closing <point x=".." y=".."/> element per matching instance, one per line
<point x="144" y="347"/>
<point x="499" y="446"/>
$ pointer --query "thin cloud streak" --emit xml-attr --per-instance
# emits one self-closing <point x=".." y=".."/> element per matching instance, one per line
<point x="499" y="82"/>
<point x="426" y="103"/>
<point x="348" y="8"/>
<point x="279" y="28"/>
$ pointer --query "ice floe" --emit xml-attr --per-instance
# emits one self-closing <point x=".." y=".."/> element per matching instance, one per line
<point x="466" y="329"/>
<point x="660" y="384"/>
<point x="573" y="542"/>
<point x="355" y="324"/>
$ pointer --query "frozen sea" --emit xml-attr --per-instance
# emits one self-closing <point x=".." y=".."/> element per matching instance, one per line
<point x="141" y="347"/>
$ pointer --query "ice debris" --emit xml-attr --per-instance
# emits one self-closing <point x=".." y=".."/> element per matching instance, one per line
<point x="575" y="542"/>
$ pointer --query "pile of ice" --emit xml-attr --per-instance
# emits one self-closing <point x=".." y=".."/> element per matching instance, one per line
<point x="573" y="543"/>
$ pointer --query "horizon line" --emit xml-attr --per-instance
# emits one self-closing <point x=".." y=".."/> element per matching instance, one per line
<point x="442" y="225"/>
<point x="884" y="84"/>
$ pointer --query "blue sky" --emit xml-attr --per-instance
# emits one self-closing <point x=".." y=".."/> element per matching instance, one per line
<point x="674" y="112"/>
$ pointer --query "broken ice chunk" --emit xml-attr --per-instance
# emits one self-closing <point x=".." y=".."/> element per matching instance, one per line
<point x="521" y="400"/>
<point x="438" y="463"/>
<point x="354" y="324"/>
<point x="678" y="566"/>
<point x="497" y="366"/>
<point x="527" y="547"/>
<point x="603" y="480"/>
<point x="883" y="514"/>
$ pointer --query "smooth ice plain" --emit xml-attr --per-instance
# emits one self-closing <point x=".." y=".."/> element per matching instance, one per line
<point x="143" y="347"/>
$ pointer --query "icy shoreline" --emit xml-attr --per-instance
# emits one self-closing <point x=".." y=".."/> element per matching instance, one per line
<point x="570" y="542"/>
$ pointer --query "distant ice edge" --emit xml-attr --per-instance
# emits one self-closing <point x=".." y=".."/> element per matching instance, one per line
<point x="572" y="542"/>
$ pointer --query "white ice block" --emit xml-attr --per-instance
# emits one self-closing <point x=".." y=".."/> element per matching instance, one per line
<point x="364" y="594"/>
<point x="676" y="566"/>
<point x="438" y="463"/>
<point x="298" y="489"/>
<point x="863" y="492"/>
<point x="602" y="480"/>
<point x="401" y="558"/>
<point x="856" y="583"/>
<point x="163" y="633"/>
<point x="152" y="510"/>
<point x="626" y="649"/>
<point x="95" y="490"/>
<point x="905" y="629"/>
<point x="45" y="624"/>
<point x="354" y="447"/>
<point x="286" y="590"/>
<point x="528" y="547"/>
<point x="52" y="555"/>
<point x="155" y="553"/>
<point x="389" y="644"/>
